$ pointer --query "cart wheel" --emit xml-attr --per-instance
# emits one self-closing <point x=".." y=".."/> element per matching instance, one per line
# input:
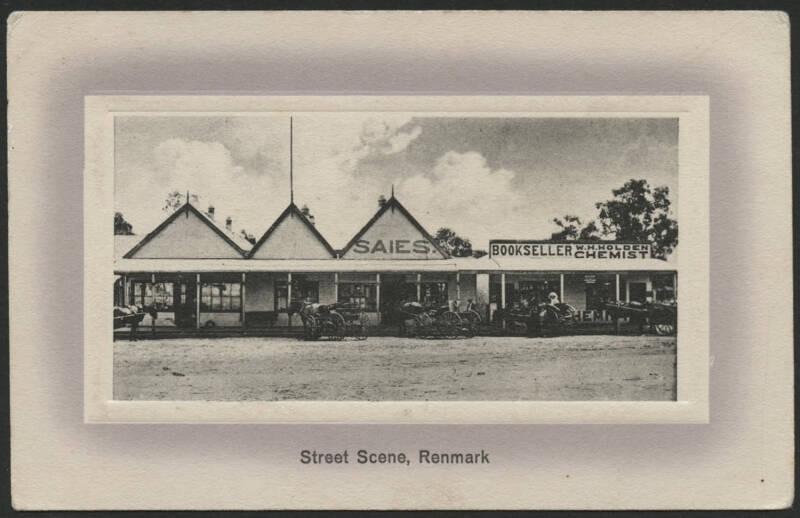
<point x="449" y="324"/>
<point x="338" y="326"/>
<point x="422" y="325"/>
<point x="314" y="329"/>
<point x="474" y="315"/>
<point x="664" y="329"/>
<point x="469" y="330"/>
<point x="327" y="329"/>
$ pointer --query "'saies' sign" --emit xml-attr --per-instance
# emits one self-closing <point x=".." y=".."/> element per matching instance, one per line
<point x="392" y="246"/>
<point x="576" y="250"/>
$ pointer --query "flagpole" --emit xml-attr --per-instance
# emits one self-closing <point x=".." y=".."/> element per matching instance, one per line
<point x="291" y="162"/>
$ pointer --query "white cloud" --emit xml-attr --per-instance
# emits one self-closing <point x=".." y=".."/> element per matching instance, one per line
<point x="465" y="194"/>
<point x="191" y="163"/>
<point x="461" y="192"/>
<point x="340" y="202"/>
<point x="227" y="172"/>
<point x="400" y="140"/>
<point x="325" y="170"/>
<point x="208" y="170"/>
<point x="260" y="143"/>
<point x="383" y="135"/>
<point x="240" y="164"/>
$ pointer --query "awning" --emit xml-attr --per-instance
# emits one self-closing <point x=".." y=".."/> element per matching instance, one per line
<point x="280" y="265"/>
<point x="482" y="265"/>
<point x="561" y="264"/>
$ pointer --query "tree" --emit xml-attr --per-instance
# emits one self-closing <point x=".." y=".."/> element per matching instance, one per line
<point x="573" y="230"/>
<point x="175" y="200"/>
<point x="122" y="227"/>
<point x="455" y="245"/>
<point x="637" y="213"/>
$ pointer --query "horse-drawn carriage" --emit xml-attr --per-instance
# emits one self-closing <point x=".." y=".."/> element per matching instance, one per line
<point x="438" y="321"/>
<point x="128" y="316"/>
<point x="331" y="321"/>
<point x="131" y="316"/>
<point x="532" y="318"/>
<point x="661" y="318"/>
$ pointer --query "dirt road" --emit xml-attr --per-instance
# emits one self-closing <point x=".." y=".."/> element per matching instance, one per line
<point x="382" y="368"/>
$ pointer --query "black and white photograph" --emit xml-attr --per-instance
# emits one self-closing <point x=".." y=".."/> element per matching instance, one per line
<point x="400" y="260"/>
<point x="390" y="256"/>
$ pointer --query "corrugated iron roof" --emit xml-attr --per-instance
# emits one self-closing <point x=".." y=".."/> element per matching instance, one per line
<point x="484" y="265"/>
<point x="231" y="238"/>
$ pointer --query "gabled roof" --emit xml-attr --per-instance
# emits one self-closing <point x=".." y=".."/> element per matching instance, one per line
<point x="243" y="244"/>
<point x="292" y="211"/>
<point x="393" y="203"/>
<point x="187" y="207"/>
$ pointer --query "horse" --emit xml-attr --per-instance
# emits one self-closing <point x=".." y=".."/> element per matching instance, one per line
<point x="132" y="315"/>
<point x="534" y="317"/>
<point x="318" y="319"/>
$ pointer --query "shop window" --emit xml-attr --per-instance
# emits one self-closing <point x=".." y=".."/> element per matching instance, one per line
<point x="637" y="291"/>
<point x="495" y="295"/>
<point x="434" y="293"/>
<point x="537" y="291"/>
<point x="360" y="295"/>
<point x="410" y="292"/>
<point x="302" y="289"/>
<point x="599" y="290"/>
<point x="663" y="287"/>
<point x="158" y="295"/>
<point x="281" y="296"/>
<point x="306" y="290"/>
<point x="221" y="296"/>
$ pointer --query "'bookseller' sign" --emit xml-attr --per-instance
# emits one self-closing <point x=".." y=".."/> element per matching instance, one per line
<point x="576" y="250"/>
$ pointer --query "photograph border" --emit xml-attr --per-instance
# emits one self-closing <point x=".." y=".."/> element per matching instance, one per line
<point x="692" y="266"/>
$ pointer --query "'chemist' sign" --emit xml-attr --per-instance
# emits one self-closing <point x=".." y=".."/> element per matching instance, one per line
<point x="575" y="250"/>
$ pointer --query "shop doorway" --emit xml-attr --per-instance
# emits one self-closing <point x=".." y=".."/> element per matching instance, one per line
<point x="185" y="302"/>
<point x="637" y="291"/>
<point x="394" y="292"/>
<point x="600" y="289"/>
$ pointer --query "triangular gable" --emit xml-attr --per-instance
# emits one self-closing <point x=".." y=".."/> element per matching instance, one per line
<point x="292" y="236"/>
<point x="186" y="234"/>
<point x="393" y="233"/>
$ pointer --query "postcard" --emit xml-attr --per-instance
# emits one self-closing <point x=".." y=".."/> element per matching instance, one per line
<point x="400" y="260"/>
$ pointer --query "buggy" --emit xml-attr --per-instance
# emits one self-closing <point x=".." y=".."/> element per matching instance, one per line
<point x="331" y="321"/>
<point x="660" y="318"/>
<point x="436" y="321"/>
<point x="536" y="318"/>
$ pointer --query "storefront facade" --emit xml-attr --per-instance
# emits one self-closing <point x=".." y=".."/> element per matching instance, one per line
<point x="198" y="274"/>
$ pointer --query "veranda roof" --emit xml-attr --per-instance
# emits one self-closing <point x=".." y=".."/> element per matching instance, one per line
<point x="560" y="264"/>
<point x="482" y="265"/>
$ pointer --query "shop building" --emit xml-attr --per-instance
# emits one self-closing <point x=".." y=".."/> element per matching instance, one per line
<point x="198" y="273"/>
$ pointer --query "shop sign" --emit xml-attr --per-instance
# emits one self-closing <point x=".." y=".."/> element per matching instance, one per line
<point x="575" y="250"/>
<point x="392" y="246"/>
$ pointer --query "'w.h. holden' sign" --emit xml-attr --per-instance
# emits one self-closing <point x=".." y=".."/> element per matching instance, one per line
<point x="575" y="249"/>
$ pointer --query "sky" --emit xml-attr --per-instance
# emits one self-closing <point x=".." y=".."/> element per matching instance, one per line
<point x="484" y="177"/>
